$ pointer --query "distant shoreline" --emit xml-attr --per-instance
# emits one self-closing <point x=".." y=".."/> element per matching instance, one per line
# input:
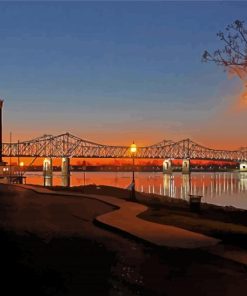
<point x="149" y="170"/>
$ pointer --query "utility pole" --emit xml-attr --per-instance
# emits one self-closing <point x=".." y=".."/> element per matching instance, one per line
<point x="10" y="155"/>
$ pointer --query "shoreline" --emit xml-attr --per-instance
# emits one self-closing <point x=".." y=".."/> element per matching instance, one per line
<point x="223" y="189"/>
<point x="143" y="197"/>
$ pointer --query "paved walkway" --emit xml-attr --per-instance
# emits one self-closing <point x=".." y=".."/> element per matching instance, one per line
<point x="125" y="219"/>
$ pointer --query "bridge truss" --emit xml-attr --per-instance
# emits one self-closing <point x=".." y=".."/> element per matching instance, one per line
<point x="67" y="145"/>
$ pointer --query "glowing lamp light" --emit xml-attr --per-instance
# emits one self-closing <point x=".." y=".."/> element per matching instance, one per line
<point x="21" y="164"/>
<point x="133" y="148"/>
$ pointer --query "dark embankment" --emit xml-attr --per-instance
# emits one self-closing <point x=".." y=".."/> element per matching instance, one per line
<point x="50" y="246"/>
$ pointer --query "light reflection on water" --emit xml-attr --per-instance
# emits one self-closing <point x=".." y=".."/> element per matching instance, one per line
<point x="217" y="188"/>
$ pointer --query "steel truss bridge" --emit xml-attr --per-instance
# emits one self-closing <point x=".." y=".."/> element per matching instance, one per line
<point x="67" y="145"/>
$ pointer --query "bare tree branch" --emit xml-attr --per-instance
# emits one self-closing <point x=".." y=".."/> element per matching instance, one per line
<point x="234" y="53"/>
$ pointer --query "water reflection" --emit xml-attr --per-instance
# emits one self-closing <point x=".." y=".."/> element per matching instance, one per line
<point x="211" y="185"/>
<point x="243" y="182"/>
<point x="218" y="188"/>
<point x="47" y="181"/>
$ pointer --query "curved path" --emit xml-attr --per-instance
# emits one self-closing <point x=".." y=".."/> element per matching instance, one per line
<point x="125" y="219"/>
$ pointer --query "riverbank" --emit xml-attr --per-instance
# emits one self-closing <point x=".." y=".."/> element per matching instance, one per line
<point x="226" y="223"/>
<point x="50" y="246"/>
<point x="224" y="189"/>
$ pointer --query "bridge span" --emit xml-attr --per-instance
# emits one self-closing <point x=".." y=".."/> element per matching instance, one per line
<point x="67" y="145"/>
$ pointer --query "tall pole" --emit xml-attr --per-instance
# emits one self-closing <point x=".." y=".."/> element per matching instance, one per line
<point x="133" y="195"/>
<point x="1" y="130"/>
<point x="133" y="150"/>
<point x="18" y="159"/>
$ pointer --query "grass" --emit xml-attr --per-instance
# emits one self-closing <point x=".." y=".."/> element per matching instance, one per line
<point x="228" y="232"/>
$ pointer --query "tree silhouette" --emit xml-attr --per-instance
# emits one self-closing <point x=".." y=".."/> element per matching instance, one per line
<point x="233" y="56"/>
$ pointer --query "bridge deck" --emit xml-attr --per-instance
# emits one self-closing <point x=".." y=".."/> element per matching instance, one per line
<point x="67" y="145"/>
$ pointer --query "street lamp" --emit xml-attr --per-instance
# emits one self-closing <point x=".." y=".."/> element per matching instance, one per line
<point x="21" y="164"/>
<point x="133" y="150"/>
<point x="21" y="172"/>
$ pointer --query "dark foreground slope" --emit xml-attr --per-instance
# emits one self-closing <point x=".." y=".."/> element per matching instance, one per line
<point x="50" y="246"/>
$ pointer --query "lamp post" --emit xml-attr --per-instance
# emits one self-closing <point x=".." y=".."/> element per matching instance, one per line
<point x="21" y="165"/>
<point x="21" y="172"/>
<point x="133" y="150"/>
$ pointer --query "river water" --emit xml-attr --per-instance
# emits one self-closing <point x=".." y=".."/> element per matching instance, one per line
<point x="225" y="189"/>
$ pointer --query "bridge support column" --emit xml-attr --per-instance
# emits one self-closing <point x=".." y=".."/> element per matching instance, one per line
<point x="65" y="167"/>
<point x="186" y="166"/>
<point x="167" y="166"/>
<point x="243" y="167"/>
<point x="47" y="171"/>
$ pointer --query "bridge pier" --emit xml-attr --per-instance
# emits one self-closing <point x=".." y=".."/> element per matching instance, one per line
<point x="65" y="168"/>
<point x="186" y="166"/>
<point x="47" y="171"/>
<point x="243" y="166"/>
<point x="167" y="166"/>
